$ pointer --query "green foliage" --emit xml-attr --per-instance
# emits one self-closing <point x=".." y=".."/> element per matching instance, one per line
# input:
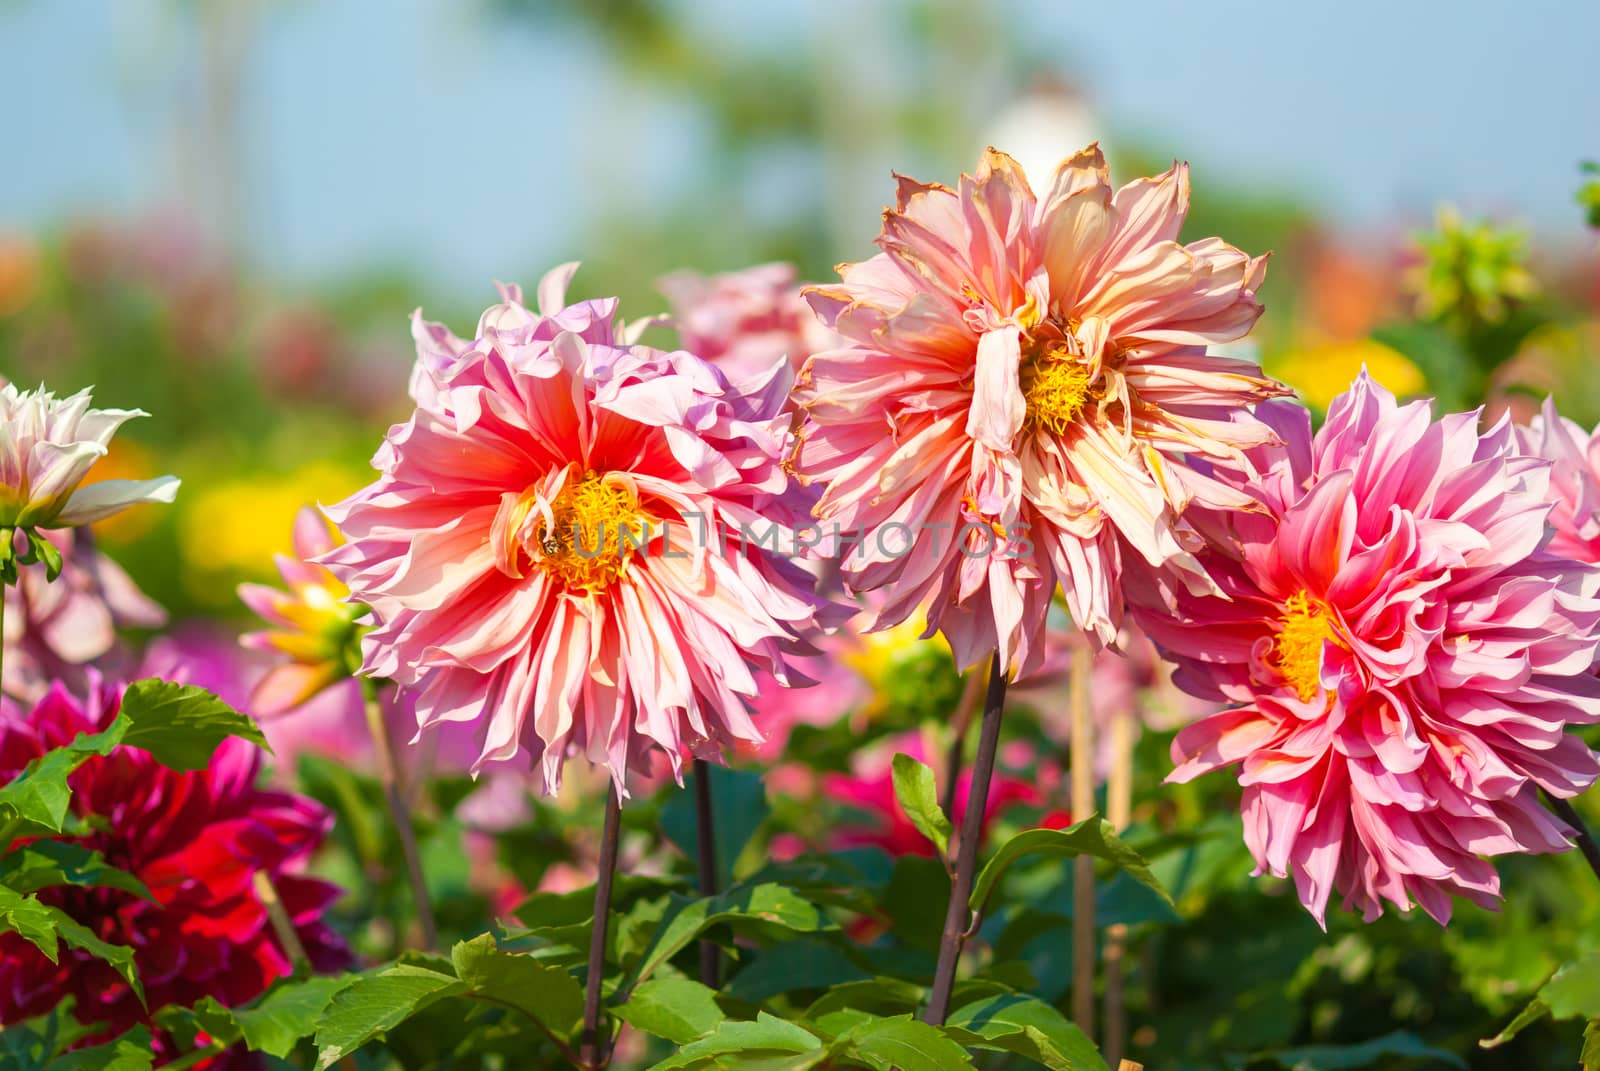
<point x="181" y="725"/>
<point x="918" y="794"/>
<point x="740" y="803"/>
<point x="1093" y="836"/>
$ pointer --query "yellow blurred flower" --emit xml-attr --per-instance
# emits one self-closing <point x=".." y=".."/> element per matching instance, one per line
<point x="1323" y="372"/>
<point x="19" y="273"/>
<point x="233" y="529"/>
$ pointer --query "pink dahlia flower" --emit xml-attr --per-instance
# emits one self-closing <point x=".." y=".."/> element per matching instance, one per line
<point x="314" y="632"/>
<point x="196" y="840"/>
<point x="744" y="320"/>
<point x="1023" y="376"/>
<point x="48" y="446"/>
<point x="557" y="547"/>
<point x="1574" y="455"/>
<point x="55" y="629"/>
<point x="1402" y="652"/>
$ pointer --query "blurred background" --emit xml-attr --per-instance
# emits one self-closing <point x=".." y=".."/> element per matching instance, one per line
<point x="224" y="212"/>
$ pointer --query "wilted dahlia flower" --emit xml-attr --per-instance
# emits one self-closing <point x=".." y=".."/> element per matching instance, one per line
<point x="54" y="630"/>
<point x="1404" y="654"/>
<point x="1574" y="495"/>
<point x="48" y="447"/>
<point x="196" y="840"/>
<point x="562" y="544"/>
<point x="1022" y="378"/>
<point x="314" y="626"/>
<point x="742" y="321"/>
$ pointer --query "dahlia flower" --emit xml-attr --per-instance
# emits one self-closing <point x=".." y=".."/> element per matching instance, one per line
<point x="1574" y="455"/>
<point x="314" y="624"/>
<point x="55" y="630"/>
<point x="564" y="545"/>
<point x="47" y="446"/>
<point x="196" y="840"/>
<point x="1403" y="655"/>
<point x="744" y="320"/>
<point x="1022" y="376"/>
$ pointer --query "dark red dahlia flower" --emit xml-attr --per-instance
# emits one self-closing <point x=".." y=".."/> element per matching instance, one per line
<point x="197" y="840"/>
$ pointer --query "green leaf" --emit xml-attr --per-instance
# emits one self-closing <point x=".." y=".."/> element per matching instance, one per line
<point x="130" y="1052"/>
<point x="802" y="963"/>
<point x="677" y="1009"/>
<point x="739" y="801"/>
<point x="1574" y="990"/>
<point x="52" y="862"/>
<point x="548" y="995"/>
<point x="276" y="1021"/>
<point x="1093" y="836"/>
<point x="774" y="904"/>
<point x="1589" y="1057"/>
<point x="766" y="1036"/>
<point x="900" y="1044"/>
<point x="1398" y="1043"/>
<point x="1027" y="1026"/>
<point x="39" y="794"/>
<point x="375" y="1003"/>
<point x="45" y="927"/>
<point x="1535" y="1010"/>
<point x="844" y="1006"/>
<point x="914" y="787"/>
<point x="181" y="725"/>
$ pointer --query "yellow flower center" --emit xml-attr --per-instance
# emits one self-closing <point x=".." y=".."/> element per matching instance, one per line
<point x="1298" y="650"/>
<point x="597" y="527"/>
<point x="1057" y="387"/>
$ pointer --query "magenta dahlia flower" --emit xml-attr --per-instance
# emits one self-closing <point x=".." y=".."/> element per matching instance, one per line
<point x="1574" y="456"/>
<point x="1403" y="655"/>
<point x="578" y="541"/>
<point x="197" y="840"/>
<point x="1021" y="378"/>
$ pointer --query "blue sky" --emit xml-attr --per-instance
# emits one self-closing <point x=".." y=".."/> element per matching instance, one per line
<point x="418" y="129"/>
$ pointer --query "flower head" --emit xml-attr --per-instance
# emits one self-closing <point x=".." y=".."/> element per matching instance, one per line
<point x="53" y="631"/>
<point x="47" y="446"/>
<point x="744" y="320"/>
<point x="1574" y="457"/>
<point x="313" y="623"/>
<point x="197" y="841"/>
<point x="560" y="544"/>
<point x="1402" y="652"/>
<point x="1022" y="375"/>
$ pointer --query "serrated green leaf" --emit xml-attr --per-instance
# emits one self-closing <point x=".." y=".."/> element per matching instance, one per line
<point x="1027" y="1026"/>
<point x="918" y="795"/>
<point x="375" y="1003"/>
<point x="52" y="862"/>
<point x="548" y="995"/>
<point x="677" y="1009"/>
<point x="181" y="725"/>
<point x="900" y="1044"/>
<point x="129" y="1052"/>
<point x="276" y="1022"/>
<point x="766" y="1036"/>
<point x="39" y="794"/>
<point x="1093" y="836"/>
<point x="772" y="904"/>
<point x="45" y="926"/>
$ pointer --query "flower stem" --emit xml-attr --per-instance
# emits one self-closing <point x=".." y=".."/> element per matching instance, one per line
<point x="962" y="721"/>
<point x="957" y="914"/>
<point x="1586" y="844"/>
<point x="594" y="1046"/>
<point x="282" y="925"/>
<point x="705" y="839"/>
<point x="1083" y="921"/>
<point x="400" y="813"/>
